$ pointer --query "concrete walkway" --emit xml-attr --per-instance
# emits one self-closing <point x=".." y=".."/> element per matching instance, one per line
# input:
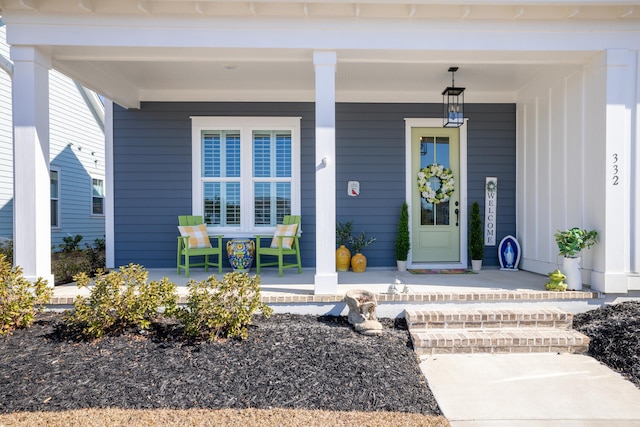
<point x="542" y="390"/>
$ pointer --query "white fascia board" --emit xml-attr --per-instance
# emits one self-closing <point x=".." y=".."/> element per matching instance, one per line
<point x="345" y="33"/>
<point x="148" y="6"/>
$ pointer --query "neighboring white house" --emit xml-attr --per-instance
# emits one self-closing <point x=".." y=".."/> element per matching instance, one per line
<point x="77" y="161"/>
<point x="559" y="81"/>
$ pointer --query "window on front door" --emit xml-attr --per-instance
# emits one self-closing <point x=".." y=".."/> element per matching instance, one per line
<point x="434" y="150"/>
<point x="246" y="173"/>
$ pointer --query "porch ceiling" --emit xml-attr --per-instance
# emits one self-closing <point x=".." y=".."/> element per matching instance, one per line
<point x="130" y="75"/>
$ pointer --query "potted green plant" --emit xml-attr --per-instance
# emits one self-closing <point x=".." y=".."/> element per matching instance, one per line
<point x="403" y="243"/>
<point x="358" y="243"/>
<point x="476" y="238"/>
<point x="570" y="243"/>
<point x="343" y="238"/>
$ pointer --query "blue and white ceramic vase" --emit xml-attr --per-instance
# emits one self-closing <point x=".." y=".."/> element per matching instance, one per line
<point x="241" y="253"/>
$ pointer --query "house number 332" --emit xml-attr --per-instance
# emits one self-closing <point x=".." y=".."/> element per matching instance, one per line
<point x="616" y="177"/>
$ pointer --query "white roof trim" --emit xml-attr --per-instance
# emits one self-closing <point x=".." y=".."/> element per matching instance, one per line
<point x="93" y="102"/>
<point x="6" y="65"/>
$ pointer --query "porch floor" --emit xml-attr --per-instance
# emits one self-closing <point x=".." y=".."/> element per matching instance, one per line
<point x="488" y="285"/>
<point x="376" y="280"/>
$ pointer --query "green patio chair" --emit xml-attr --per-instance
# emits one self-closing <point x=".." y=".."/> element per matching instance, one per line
<point x="283" y="243"/>
<point x="195" y="242"/>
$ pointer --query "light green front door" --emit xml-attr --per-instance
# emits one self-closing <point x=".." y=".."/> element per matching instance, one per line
<point x="435" y="226"/>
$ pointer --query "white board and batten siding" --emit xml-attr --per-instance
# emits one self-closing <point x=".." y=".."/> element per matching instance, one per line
<point x="574" y="168"/>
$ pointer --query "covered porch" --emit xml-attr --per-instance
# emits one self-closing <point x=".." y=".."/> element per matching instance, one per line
<point x="566" y="69"/>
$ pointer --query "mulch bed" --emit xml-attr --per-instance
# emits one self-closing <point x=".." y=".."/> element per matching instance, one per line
<point x="615" y="337"/>
<point x="288" y="361"/>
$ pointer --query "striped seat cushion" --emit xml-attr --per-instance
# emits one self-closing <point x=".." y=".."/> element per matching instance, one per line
<point x="198" y="237"/>
<point x="284" y="230"/>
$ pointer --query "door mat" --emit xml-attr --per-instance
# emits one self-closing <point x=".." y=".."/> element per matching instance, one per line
<point x="441" y="271"/>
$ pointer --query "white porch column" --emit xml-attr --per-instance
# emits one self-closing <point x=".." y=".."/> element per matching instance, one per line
<point x="326" y="278"/>
<point x="617" y="247"/>
<point x="109" y="200"/>
<point x="32" y="204"/>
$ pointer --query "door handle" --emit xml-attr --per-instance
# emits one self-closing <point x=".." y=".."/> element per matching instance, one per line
<point x="457" y="216"/>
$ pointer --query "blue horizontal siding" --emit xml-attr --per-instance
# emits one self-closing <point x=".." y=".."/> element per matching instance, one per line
<point x="152" y="169"/>
<point x="491" y="150"/>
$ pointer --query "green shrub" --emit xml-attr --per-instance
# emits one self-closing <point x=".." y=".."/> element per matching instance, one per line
<point x="94" y="260"/>
<point x="403" y="243"/>
<point x="67" y="264"/>
<point x="6" y="249"/>
<point x="99" y="244"/>
<point x="71" y="243"/>
<point x="120" y="300"/>
<point x="476" y="238"/>
<point x="20" y="300"/>
<point x="222" y="309"/>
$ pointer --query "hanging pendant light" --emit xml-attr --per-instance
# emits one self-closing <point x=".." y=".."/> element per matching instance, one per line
<point x="453" y="103"/>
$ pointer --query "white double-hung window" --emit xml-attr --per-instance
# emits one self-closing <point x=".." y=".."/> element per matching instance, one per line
<point x="97" y="196"/>
<point x="246" y="172"/>
<point x="54" y="182"/>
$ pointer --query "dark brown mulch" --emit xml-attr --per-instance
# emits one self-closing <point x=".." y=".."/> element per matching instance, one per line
<point x="288" y="361"/>
<point x="615" y="337"/>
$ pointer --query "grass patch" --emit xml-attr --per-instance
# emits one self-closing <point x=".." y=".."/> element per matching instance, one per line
<point x="222" y="417"/>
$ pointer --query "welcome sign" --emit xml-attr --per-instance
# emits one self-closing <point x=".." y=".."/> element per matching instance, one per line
<point x="490" y="210"/>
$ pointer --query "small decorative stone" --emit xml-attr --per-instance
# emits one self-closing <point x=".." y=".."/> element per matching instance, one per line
<point x="362" y="311"/>
<point x="393" y="288"/>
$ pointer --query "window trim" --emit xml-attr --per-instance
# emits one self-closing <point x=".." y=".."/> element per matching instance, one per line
<point x="246" y="125"/>
<point x="91" y="196"/>
<point x="58" y="225"/>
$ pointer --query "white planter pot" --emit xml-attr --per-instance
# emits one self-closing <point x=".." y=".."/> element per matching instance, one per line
<point x="402" y="265"/>
<point x="571" y="269"/>
<point x="476" y="264"/>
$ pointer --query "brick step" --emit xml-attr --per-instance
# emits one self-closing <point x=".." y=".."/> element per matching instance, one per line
<point x="488" y="318"/>
<point x="504" y="340"/>
<point x="487" y="295"/>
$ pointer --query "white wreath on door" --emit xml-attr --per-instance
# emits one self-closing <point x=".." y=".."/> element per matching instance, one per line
<point x="447" y="183"/>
